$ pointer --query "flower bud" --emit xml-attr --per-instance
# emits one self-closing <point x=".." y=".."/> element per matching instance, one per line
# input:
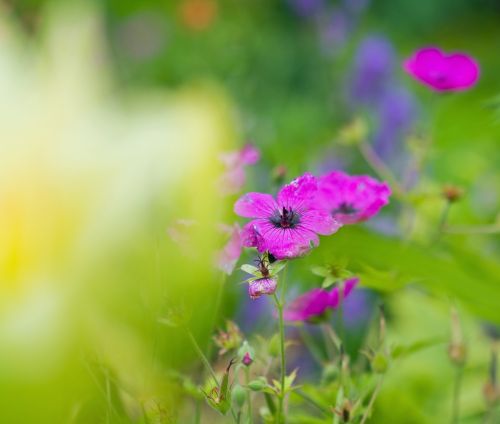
<point x="257" y="385"/>
<point x="247" y="359"/>
<point x="452" y="193"/>
<point x="261" y="286"/>
<point x="379" y="363"/>
<point x="239" y="396"/>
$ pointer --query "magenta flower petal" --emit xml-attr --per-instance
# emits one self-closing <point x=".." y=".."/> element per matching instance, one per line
<point x="320" y="221"/>
<point x="314" y="303"/>
<point x="255" y="205"/>
<point x="443" y="72"/>
<point x="347" y="286"/>
<point x="299" y="193"/>
<point x="288" y="227"/>
<point x="310" y="304"/>
<point x="351" y="199"/>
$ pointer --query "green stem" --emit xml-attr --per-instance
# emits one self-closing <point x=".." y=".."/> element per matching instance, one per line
<point x="369" y="408"/>
<point x="218" y="301"/>
<point x="202" y="356"/>
<point x="455" y="407"/>
<point x="249" y="395"/>
<point x="317" y="354"/>
<point x="280" y="413"/>
<point x="444" y="216"/>
<point x="380" y="167"/>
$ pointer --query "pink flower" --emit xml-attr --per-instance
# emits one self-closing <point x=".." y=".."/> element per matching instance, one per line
<point x="443" y="72"/>
<point x="261" y="286"/>
<point x="234" y="178"/>
<point x="351" y="199"/>
<point x="231" y="252"/>
<point x="314" y="303"/>
<point x="287" y="226"/>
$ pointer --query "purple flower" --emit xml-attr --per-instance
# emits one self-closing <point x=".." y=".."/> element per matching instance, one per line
<point x="231" y="252"/>
<point x="396" y="112"/>
<point x="257" y="288"/>
<point x="334" y="30"/>
<point x="287" y="226"/>
<point x="314" y="303"/>
<point x="234" y="177"/>
<point x="306" y="8"/>
<point x="352" y="199"/>
<point x="441" y="71"/>
<point x="373" y="70"/>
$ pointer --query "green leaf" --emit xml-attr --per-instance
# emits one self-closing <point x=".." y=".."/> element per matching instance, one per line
<point x="250" y="269"/>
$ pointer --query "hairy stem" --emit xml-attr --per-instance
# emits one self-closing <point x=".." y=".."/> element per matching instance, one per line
<point x="249" y="395"/>
<point x="455" y="406"/>
<point x="280" y="412"/>
<point x="369" y="408"/>
<point x="202" y="355"/>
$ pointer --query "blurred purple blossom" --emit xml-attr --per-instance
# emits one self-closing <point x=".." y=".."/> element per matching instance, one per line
<point x="334" y="30"/>
<point x="358" y="308"/>
<point x="396" y="112"/>
<point x="372" y="72"/>
<point x="306" y="8"/>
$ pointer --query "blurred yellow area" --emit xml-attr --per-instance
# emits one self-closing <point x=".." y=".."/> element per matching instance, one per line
<point x="90" y="179"/>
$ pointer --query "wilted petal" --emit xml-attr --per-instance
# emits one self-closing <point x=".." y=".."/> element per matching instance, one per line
<point x="262" y="286"/>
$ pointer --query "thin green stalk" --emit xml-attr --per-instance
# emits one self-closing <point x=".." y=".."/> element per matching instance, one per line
<point x="380" y="167"/>
<point x="280" y="419"/>
<point x="455" y="406"/>
<point x="218" y="301"/>
<point x="249" y="395"/>
<point x="369" y="408"/>
<point x="328" y="341"/>
<point x="202" y="356"/>
<point x="317" y="354"/>
<point x="444" y="217"/>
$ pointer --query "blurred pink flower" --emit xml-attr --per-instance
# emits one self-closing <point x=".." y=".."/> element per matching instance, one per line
<point x="287" y="226"/>
<point x="261" y="286"/>
<point x="234" y="177"/>
<point x="351" y="199"/>
<point x="441" y="71"/>
<point x="231" y="252"/>
<point x="314" y="303"/>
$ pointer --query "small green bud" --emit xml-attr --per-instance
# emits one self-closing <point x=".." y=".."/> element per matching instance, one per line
<point x="379" y="363"/>
<point x="258" y="384"/>
<point x="239" y="395"/>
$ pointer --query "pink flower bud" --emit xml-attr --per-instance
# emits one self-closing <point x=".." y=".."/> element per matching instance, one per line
<point x="247" y="359"/>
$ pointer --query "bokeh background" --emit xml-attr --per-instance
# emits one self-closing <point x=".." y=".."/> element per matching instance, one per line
<point x="113" y="115"/>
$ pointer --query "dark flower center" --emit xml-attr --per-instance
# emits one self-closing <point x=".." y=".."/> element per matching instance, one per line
<point x="344" y="208"/>
<point x="286" y="218"/>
